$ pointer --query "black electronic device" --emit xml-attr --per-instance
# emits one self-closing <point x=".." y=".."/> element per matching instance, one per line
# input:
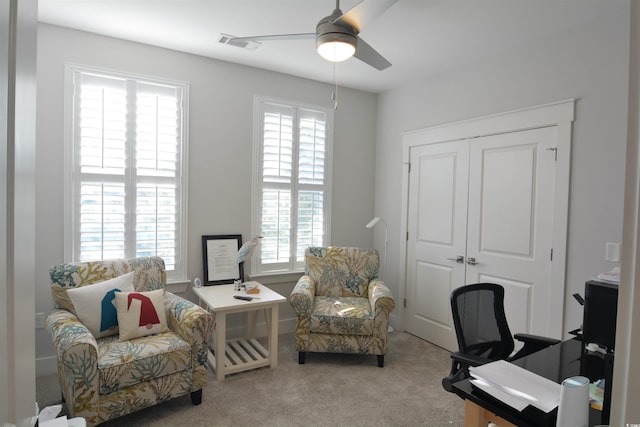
<point x="579" y="298"/>
<point x="600" y="313"/>
<point x="242" y="297"/>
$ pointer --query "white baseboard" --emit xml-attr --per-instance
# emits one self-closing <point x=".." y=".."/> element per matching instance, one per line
<point x="46" y="366"/>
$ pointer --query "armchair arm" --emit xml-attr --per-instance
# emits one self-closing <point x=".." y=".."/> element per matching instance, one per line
<point x="382" y="303"/>
<point x="194" y="325"/>
<point x="380" y="297"/>
<point x="302" y="296"/>
<point x="77" y="352"/>
<point x="301" y="300"/>
<point x="67" y="331"/>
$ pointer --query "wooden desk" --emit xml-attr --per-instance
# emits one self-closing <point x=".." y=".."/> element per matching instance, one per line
<point x="556" y="363"/>
<point x="241" y="354"/>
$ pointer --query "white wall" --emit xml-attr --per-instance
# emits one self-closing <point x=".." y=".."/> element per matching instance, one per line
<point x="589" y="63"/>
<point x="220" y="146"/>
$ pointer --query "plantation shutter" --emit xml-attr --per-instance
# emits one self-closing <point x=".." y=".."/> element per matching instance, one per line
<point x="102" y="129"/>
<point x="311" y="180"/>
<point x="128" y="158"/>
<point x="157" y="171"/>
<point x="292" y="185"/>
<point x="277" y="172"/>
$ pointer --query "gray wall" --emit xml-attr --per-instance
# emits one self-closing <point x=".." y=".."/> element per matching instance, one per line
<point x="220" y="148"/>
<point x="589" y="63"/>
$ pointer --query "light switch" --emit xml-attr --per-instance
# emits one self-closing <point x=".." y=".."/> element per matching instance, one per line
<point x="612" y="252"/>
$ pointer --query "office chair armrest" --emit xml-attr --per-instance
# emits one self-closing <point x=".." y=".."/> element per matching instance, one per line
<point x="469" y="359"/>
<point x="532" y="343"/>
<point x="536" y="339"/>
<point x="460" y="364"/>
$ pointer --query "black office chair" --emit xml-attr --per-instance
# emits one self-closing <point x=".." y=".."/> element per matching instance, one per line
<point x="482" y="331"/>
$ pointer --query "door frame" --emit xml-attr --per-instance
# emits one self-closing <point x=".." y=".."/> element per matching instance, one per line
<point x="558" y="114"/>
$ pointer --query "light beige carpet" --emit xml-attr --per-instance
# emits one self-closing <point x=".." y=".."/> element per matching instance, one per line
<point x="328" y="390"/>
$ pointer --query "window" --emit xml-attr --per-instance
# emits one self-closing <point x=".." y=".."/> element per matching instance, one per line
<point x="127" y="151"/>
<point x="292" y="180"/>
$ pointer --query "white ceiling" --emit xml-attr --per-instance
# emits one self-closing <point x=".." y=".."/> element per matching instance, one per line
<point x="419" y="37"/>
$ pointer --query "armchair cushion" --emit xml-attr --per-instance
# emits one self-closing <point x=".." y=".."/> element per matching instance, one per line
<point x="140" y="313"/>
<point x="125" y="363"/>
<point x="343" y="316"/>
<point x="95" y="305"/>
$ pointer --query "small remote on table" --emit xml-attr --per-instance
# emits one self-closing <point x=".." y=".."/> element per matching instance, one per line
<point x="242" y="297"/>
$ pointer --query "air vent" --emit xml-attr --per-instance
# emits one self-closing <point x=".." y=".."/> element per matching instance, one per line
<point x="233" y="41"/>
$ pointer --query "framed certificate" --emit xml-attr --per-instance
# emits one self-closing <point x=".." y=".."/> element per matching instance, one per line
<point x="220" y="259"/>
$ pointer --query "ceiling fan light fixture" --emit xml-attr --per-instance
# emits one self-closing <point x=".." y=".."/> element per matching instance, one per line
<point x="336" y="47"/>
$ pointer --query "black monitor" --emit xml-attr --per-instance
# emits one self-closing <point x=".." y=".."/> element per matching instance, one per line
<point x="600" y="313"/>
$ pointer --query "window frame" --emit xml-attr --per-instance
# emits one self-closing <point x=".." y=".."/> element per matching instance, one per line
<point x="71" y="183"/>
<point x="293" y="266"/>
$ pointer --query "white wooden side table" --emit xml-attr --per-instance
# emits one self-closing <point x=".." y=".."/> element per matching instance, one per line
<point x="241" y="354"/>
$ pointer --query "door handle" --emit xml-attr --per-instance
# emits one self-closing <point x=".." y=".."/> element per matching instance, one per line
<point x="459" y="259"/>
<point x="472" y="261"/>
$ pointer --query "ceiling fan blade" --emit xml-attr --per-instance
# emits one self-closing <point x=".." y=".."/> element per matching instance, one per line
<point x="363" y="13"/>
<point x="299" y="36"/>
<point x="369" y="55"/>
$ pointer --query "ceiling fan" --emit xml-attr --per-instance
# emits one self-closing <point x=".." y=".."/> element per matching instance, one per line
<point x="337" y="34"/>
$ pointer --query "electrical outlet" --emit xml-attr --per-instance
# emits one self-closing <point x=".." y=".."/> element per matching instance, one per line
<point x="612" y="252"/>
<point x="39" y="320"/>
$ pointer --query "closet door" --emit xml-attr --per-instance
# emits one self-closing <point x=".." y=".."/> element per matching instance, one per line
<point x="510" y="222"/>
<point x="481" y="210"/>
<point x="437" y="219"/>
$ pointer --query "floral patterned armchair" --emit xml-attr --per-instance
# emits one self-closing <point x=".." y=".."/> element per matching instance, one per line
<point x="104" y="378"/>
<point x="341" y="305"/>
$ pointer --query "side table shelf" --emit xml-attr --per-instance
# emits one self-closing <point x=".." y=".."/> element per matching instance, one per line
<point x="242" y="354"/>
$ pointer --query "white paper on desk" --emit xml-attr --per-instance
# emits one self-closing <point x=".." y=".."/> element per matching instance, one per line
<point x="507" y="398"/>
<point x="519" y="383"/>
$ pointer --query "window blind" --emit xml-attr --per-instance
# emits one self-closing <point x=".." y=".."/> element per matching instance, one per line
<point x="128" y="148"/>
<point x="292" y="184"/>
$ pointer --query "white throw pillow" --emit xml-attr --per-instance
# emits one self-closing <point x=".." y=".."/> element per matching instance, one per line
<point x="141" y="313"/>
<point x="95" y="304"/>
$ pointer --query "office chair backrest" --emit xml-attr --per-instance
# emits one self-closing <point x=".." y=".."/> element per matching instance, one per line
<point x="480" y="321"/>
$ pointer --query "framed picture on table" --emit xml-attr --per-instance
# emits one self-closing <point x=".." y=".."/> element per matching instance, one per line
<point x="220" y="259"/>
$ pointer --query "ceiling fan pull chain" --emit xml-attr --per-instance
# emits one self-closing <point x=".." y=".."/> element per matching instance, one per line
<point x="335" y="92"/>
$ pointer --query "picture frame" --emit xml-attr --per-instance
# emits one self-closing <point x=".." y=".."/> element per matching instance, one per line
<point x="219" y="256"/>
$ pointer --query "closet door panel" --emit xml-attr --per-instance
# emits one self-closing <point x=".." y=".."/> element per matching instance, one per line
<point x="510" y="227"/>
<point x="437" y="219"/>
